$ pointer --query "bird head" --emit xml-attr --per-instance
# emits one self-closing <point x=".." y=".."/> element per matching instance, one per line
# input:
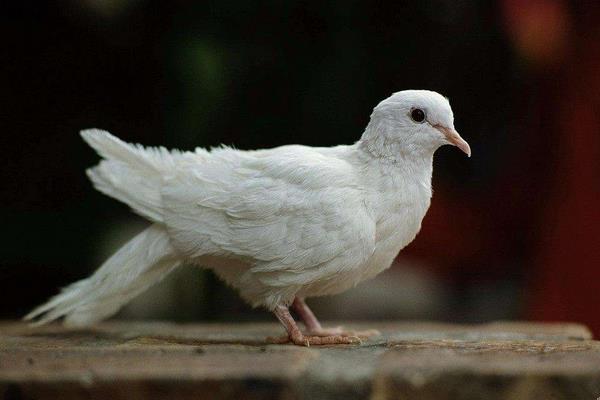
<point x="412" y="122"/>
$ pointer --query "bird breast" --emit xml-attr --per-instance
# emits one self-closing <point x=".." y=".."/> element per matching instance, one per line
<point x="399" y="221"/>
<point x="398" y="216"/>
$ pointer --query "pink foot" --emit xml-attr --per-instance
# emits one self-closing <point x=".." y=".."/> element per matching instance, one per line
<point x="339" y="331"/>
<point x="305" y="340"/>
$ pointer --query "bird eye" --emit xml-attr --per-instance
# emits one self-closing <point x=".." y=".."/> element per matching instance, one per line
<point x="417" y="115"/>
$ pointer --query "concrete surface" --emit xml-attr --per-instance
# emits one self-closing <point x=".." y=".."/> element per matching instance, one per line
<point x="410" y="360"/>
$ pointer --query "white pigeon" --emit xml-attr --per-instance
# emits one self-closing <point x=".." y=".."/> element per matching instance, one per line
<point x="279" y="225"/>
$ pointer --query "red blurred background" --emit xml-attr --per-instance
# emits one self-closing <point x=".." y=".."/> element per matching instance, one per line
<point x="545" y="200"/>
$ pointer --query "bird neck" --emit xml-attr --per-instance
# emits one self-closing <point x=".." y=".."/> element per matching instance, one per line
<point x="400" y="173"/>
<point x="380" y="147"/>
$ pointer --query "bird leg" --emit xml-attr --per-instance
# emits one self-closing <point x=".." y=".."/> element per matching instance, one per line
<point x="296" y="336"/>
<point x="314" y="327"/>
<point x="311" y="322"/>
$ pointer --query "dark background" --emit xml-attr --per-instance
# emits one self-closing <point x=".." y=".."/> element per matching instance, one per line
<point x="512" y="232"/>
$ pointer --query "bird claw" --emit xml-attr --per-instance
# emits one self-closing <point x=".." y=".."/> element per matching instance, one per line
<point x="326" y="340"/>
<point x="310" y="340"/>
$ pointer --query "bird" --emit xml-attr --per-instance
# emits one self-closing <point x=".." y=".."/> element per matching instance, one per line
<point x="279" y="225"/>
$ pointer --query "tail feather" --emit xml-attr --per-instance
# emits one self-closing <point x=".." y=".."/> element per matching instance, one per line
<point x="119" y="181"/>
<point x="110" y="147"/>
<point x="130" y="173"/>
<point x="142" y="262"/>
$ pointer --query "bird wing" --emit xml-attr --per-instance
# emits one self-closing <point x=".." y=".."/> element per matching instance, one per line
<point x="293" y="214"/>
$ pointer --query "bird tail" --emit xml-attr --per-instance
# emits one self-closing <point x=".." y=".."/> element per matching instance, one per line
<point x="130" y="173"/>
<point x="140" y="263"/>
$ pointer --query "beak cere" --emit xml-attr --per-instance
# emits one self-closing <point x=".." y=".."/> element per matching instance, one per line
<point x="454" y="138"/>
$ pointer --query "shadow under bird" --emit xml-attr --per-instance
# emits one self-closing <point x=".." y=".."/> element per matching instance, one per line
<point x="279" y="225"/>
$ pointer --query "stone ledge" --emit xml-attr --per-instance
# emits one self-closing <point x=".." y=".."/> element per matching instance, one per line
<point x="411" y="360"/>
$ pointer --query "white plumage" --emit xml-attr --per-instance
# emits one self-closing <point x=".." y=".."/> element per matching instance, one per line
<point x="278" y="224"/>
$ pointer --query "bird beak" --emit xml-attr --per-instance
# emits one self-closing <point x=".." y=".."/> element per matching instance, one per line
<point x="454" y="138"/>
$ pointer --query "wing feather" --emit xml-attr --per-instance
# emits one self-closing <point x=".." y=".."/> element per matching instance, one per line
<point x="293" y="215"/>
